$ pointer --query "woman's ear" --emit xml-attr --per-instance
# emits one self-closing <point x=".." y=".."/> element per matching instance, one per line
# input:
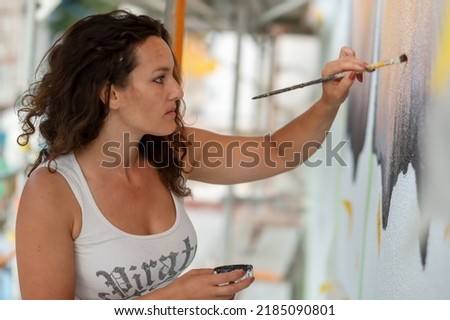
<point x="109" y="94"/>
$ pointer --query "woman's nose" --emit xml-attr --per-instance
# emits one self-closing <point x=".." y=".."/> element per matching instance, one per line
<point x="177" y="91"/>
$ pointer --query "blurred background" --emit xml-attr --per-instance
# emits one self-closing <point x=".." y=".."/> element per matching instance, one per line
<point x="319" y="231"/>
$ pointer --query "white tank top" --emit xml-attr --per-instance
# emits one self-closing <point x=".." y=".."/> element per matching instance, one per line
<point x="113" y="264"/>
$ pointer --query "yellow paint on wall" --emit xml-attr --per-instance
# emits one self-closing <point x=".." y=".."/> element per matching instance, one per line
<point x="441" y="70"/>
<point x="349" y="211"/>
<point x="326" y="288"/>
<point x="447" y="234"/>
<point x="333" y="290"/>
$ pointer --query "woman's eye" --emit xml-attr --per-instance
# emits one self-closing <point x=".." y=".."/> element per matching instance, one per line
<point x="159" y="79"/>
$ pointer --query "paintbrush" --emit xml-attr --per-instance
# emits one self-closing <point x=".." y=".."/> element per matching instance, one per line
<point x="336" y="76"/>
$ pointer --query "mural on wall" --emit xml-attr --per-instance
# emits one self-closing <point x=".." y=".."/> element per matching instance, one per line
<point x="437" y="178"/>
<point x="402" y="96"/>
<point x="362" y="41"/>
<point x="402" y="91"/>
<point x="391" y="209"/>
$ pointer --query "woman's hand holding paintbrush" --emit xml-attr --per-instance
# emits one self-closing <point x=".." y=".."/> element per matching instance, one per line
<point x="336" y="76"/>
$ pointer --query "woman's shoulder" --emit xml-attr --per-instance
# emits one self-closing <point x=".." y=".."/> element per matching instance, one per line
<point x="48" y="202"/>
<point x="49" y="173"/>
<point x="45" y="184"/>
<point x="46" y="187"/>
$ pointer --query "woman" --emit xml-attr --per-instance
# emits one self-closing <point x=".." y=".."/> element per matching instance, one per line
<point x="101" y="215"/>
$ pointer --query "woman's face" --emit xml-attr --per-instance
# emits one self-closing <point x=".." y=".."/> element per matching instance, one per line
<point x="147" y="104"/>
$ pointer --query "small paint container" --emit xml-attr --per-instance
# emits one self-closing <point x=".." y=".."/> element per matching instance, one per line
<point x="248" y="268"/>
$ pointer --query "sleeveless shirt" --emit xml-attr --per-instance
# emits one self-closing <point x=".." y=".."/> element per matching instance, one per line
<point x="113" y="264"/>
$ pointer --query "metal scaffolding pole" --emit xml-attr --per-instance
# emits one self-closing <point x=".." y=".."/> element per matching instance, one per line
<point x="230" y="202"/>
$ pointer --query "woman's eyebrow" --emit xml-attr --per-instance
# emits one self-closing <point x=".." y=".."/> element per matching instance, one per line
<point x="163" y="69"/>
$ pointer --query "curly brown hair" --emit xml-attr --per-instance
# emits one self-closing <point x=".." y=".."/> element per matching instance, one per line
<point x="65" y="105"/>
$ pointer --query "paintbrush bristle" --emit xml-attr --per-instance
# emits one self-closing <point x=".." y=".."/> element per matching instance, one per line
<point x="399" y="59"/>
<point x="403" y="58"/>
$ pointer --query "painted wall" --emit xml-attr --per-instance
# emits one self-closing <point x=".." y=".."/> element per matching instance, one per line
<point x="380" y="221"/>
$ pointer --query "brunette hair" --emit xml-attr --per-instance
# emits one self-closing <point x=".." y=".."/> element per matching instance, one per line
<point x="96" y="51"/>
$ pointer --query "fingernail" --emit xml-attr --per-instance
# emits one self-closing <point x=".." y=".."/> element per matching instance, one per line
<point x="352" y="75"/>
<point x="359" y="77"/>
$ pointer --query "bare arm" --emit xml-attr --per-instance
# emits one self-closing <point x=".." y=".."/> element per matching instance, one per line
<point x="44" y="237"/>
<point x="215" y="158"/>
